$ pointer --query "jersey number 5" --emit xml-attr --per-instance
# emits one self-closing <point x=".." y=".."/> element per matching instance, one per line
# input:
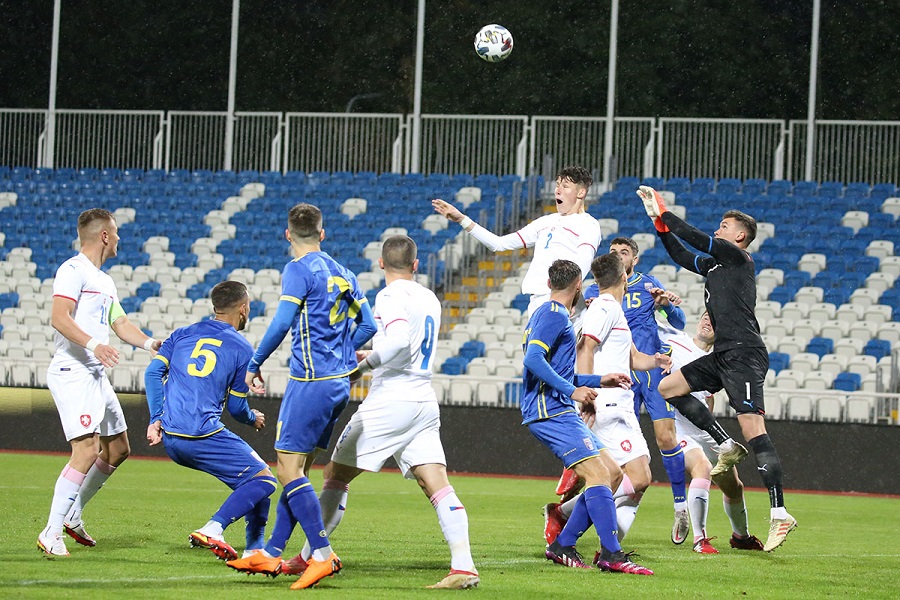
<point x="208" y="355"/>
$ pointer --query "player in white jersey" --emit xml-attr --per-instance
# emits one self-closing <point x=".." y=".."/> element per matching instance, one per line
<point x="700" y="449"/>
<point x="85" y="306"/>
<point x="606" y="347"/>
<point x="399" y="417"/>
<point x="571" y="234"/>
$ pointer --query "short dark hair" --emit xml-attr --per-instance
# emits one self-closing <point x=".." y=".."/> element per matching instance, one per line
<point x="747" y="223"/>
<point x="563" y="273"/>
<point x="93" y="215"/>
<point x="305" y="221"/>
<point x="399" y="252"/>
<point x="607" y="269"/>
<point x="577" y="175"/>
<point x="625" y="241"/>
<point x="227" y="295"/>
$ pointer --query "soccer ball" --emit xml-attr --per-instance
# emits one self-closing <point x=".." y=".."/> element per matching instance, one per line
<point x="493" y="43"/>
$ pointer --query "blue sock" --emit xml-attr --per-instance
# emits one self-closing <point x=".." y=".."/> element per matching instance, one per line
<point x="578" y="523"/>
<point x="304" y="505"/>
<point x="243" y="499"/>
<point x="602" y="509"/>
<point x="284" y="527"/>
<point x="673" y="461"/>
<point x="256" y="524"/>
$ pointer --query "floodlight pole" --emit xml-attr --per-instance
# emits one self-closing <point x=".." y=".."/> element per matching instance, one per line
<point x="417" y="93"/>
<point x="49" y="157"/>
<point x="610" y="96"/>
<point x="811" y="107"/>
<point x="232" y="85"/>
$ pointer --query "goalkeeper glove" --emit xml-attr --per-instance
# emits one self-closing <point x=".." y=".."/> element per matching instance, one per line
<point x="660" y="226"/>
<point x="653" y="202"/>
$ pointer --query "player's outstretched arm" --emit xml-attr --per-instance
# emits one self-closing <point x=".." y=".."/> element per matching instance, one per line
<point x="130" y="333"/>
<point x="278" y="328"/>
<point x="668" y="303"/>
<point x="536" y="362"/>
<point x="496" y="243"/>
<point x="646" y="362"/>
<point x="240" y="410"/>
<point x="365" y="326"/>
<point x="153" y="383"/>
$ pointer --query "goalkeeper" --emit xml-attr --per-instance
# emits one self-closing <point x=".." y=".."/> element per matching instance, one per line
<point x="739" y="360"/>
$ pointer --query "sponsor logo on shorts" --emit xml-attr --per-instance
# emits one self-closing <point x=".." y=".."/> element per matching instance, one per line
<point x="588" y="443"/>
<point x="85" y="420"/>
<point x="626" y="445"/>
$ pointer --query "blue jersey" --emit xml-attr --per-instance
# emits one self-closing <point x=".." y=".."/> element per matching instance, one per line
<point x="640" y="311"/>
<point x="207" y="363"/>
<point x="328" y="299"/>
<point x="551" y="329"/>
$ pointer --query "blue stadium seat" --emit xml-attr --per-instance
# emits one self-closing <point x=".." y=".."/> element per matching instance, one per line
<point x="520" y="302"/>
<point x="455" y="365"/>
<point x="9" y="300"/>
<point x="877" y="348"/>
<point x="780" y="187"/>
<point x="831" y="189"/>
<point x="629" y="184"/>
<point x="472" y="349"/>
<point x="820" y="346"/>
<point x="148" y="289"/>
<point x="679" y="185"/>
<point x="779" y="361"/>
<point x="848" y="382"/>
<point x="781" y="294"/>
<point x="806" y="189"/>
<point x="131" y="303"/>
<point x="857" y="189"/>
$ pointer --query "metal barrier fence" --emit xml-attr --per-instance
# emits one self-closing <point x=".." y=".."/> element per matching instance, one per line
<point x="642" y="147"/>
<point x="472" y="144"/>
<point x="21" y="137"/>
<point x="717" y="148"/>
<point x="847" y="151"/>
<point x="114" y="139"/>
<point x="343" y="142"/>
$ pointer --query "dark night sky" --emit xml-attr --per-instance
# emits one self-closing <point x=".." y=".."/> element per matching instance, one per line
<point x="705" y="58"/>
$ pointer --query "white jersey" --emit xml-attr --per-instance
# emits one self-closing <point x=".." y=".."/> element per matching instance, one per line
<point x="409" y="315"/>
<point x="684" y="351"/>
<point x="605" y="323"/>
<point x="573" y="237"/>
<point x="94" y="294"/>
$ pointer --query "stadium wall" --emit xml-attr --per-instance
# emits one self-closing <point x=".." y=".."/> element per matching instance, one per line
<point x="815" y="456"/>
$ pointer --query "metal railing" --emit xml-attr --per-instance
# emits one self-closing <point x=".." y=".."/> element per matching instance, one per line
<point x="769" y="149"/>
<point x="343" y="142"/>
<point x="847" y="151"/>
<point x="473" y="144"/>
<point x="717" y="148"/>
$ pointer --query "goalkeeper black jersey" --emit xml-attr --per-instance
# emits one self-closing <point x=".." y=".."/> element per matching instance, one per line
<point x="730" y="293"/>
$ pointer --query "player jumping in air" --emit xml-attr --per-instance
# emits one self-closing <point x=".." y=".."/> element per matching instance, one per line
<point x="739" y="361"/>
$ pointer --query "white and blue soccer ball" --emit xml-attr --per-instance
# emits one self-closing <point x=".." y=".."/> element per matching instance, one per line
<point x="493" y="43"/>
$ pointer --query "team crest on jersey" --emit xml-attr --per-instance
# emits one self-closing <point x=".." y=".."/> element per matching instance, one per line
<point x="648" y="286"/>
<point x="588" y="443"/>
<point x="626" y="445"/>
<point x="85" y="420"/>
<point x="683" y="443"/>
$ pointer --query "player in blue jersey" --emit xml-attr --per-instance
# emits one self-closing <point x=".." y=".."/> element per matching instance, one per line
<point x="645" y="297"/>
<point x="549" y="394"/>
<point x="320" y="304"/>
<point x="198" y="369"/>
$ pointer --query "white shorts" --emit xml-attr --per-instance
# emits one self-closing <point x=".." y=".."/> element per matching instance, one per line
<point x="385" y="427"/>
<point x="86" y="402"/>
<point x="690" y="437"/>
<point x="618" y="428"/>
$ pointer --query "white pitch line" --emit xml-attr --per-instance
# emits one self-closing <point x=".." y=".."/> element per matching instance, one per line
<point x="145" y="580"/>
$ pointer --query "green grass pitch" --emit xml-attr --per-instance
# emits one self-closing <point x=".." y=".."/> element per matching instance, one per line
<point x="391" y="545"/>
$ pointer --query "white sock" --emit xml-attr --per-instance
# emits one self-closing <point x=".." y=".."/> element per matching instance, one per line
<point x="736" y="511"/>
<point x="96" y="476"/>
<point x="568" y="506"/>
<point x="213" y="529"/>
<point x="626" y="511"/>
<point x="333" y="500"/>
<point x="64" y="493"/>
<point x="778" y="512"/>
<point x="455" y="524"/>
<point x="322" y="554"/>
<point x="698" y="507"/>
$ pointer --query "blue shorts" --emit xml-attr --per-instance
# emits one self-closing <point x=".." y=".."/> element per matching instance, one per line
<point x="567" y="437"/>
<point x="646" y="390"/>
<point x="308" y="413"/>
<point x="223" y="455"/>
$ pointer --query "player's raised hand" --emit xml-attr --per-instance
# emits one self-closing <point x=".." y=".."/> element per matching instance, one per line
<point x="584" y="395"/>
<point x="621" y="380"/>
<point x="653" y="202"/>
<point x="107" y="355"/>
<point x="663" y="297"/>
<point x="448" y="210"/>
<point x="664" y="362"/>
<point x="256" y="382"/>
<point x="154" y="433"/>
<point x="260" y="419"/>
